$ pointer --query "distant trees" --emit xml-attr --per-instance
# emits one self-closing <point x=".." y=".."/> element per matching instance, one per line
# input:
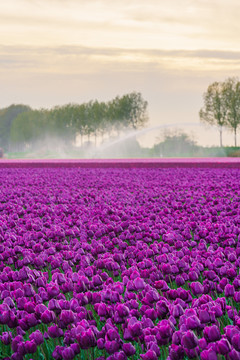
<point x="215" y="107"/>
<point x="7" y="116"/>
<point x="232" y="98"/>
<point x="22" y="127"/>
<point x="175" y="144"/>
<point x="222" y="106"/>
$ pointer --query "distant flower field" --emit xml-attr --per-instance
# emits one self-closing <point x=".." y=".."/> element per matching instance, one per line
<point x="120" y="263"/>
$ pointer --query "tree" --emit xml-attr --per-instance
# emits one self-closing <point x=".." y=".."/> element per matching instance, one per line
<point x="133" y="110"/>
<point x="222" y="106"/>
<point x="62" y="119"/>
<point x="7" y="116"/>
<point x="26" y="129"/>
<point x="80" y="120"/>
<point x="215" y="107"/>
<point x="174" y="144"/>
<point x="232" y="97"/>
<point x="97" y="117"/>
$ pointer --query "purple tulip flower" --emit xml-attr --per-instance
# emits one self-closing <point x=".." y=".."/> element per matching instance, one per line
<point x="189" y="340"/>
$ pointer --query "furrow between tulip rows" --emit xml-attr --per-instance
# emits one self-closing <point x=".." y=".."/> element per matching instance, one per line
<point x="212" y="163"/>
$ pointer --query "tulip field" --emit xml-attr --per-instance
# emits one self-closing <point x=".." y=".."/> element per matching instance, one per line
<point x="119" y="263"/>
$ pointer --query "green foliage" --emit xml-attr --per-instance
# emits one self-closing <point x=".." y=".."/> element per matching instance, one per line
<point x="129" y="111"/>
<point x="176" y="144"/>
<point x="7" y="116"/>
<point x="232" y="96"/>
<point x="222" y="106"/>
<point x="215" y="107"/>
<point x="23" y="128"/>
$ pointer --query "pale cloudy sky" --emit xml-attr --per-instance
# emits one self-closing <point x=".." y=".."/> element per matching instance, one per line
<point x="60" y="51"/>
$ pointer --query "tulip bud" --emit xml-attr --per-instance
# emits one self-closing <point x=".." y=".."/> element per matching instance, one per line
<point x="189" y="340"/>
<point x="129" y="349"/>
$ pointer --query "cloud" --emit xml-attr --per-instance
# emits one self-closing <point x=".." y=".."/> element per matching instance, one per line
<point x="153" y="24"/>
<point x="71" y="59"/>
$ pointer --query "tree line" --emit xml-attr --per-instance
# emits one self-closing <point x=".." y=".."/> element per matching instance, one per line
<point x="222" y="106"/>
<point x="22" y="126"/>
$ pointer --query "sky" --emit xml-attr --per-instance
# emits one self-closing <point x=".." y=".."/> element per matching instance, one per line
<point x="54" y="52"/>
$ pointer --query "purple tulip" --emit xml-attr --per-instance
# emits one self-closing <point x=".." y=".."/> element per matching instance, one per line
<point x="28" y="290"/>
<point x="162" y="309"/>
<point x="112" y="334"/>
<point x="55" y="332"/>
<point x="29" y="307"/>
<point x="101" y="343"/>
<point x="129" y="349"/>
<point x="102" y="310"/>
<point x="223" y="346"/>
<point x="6" y="338"/>
<point x="192" y="322"/>
<point x="37" y="337"/>
<point x="47" y="317"/>
<point x="162" y="285"/>
<point x="76" y="348"/>
<point x="31" y="320"/>
<point x="212" y="333"/>
<point x="4" y="317"/>
<point x="112" y="346"/>
<point x="165" y="329"/>
<point x="30" y="347"/>
<point x="52" y="291"/>
<point x="139" y="284"/>
<point x="179" y="280"/>
<point x="230" y="331"/>
<point x="16" y="341"/>
<point x="233" y="355"/>
<point x="68" y="354"/>
<point x="21" y="349"/>
<point x="87" y="339"/>
<point x="134" y="327"/>
<point x="23" y="324"/>
<point x="217" y="311"/>
<point x="189" y="340"/>
<point x="177" y="311"/>
<point x="177" y="337"/>
<point x="236" y="341"/>
<point x="197" y="288"/>
<point x="54" y="305"/>
<point x="151" y="314"/>
<point x="122" y="310"/>
<point x="237" y="296"/>
<point x="176" y="352"/>
<point x="13" y="321"/>
<point x="39" y="309"/>
<point x="229" y="290"/>
<point x="204" y="316"/>
<point x="66" y="317"/>
<point x="152" y="345"/>
<point x="120" y="355"/>
<point x="209" y="354"/>
<point x="9" y="302"/>
<point x="57" y="353"/>
<point x="202" y="343"/>
<point x="149" y="355"/>
<point x="127" y="335"/>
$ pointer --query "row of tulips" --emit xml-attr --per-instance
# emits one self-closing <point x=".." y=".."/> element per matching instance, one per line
<point x="119" y="264"/>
